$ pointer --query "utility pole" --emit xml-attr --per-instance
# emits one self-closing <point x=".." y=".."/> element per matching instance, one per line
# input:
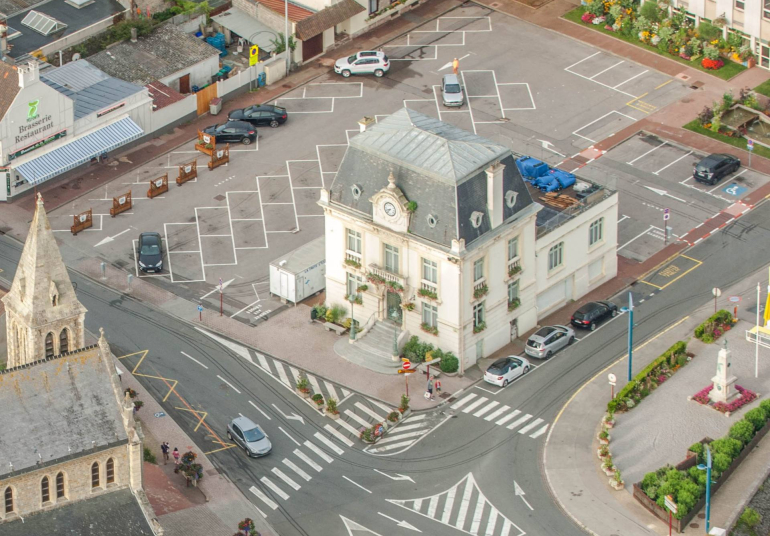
<point x="630" y="333"/>
<point x="286" y="36"/>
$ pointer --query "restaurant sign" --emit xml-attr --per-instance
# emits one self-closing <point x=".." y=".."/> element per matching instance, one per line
<point x="38" y="144"/>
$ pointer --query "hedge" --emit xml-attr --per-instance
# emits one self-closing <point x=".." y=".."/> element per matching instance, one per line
<point x="714" y="326"/>
<point x="678" y="349"/>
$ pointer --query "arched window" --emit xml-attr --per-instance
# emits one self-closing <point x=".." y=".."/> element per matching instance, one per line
<point x="95" y="475"/>
<point x="49" y="345"/>
<point x="110" y="471"/>
<point x="8" y="500"/>
<point x="64" y="341"/>
<point x="45" y="489"/>
<point x="60" y="486"/>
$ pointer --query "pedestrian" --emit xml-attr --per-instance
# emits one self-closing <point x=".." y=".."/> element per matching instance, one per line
<point x="437" y="386"/>
<point x="176" y="456"/>
<point x="430" y="388"/>
<point x="165" y="448"/>
<point x="455" y="66"/>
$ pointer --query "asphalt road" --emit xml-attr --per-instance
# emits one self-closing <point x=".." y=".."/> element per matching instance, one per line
<point x="343" y="481"/>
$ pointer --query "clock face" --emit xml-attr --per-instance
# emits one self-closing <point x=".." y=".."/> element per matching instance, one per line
<point x="389" y="208"/>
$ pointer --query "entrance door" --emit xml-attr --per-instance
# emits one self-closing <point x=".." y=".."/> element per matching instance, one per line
<point x="514" y="329"/>
<point x="480" y="349"/>
<point x="394" y="307"/>
<point x="284" y="285"/>
<point x="184" y="84"/>
<point x="312" y="47"/>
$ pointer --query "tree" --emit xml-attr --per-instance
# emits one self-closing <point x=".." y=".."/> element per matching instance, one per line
<point x="279" y="43"/>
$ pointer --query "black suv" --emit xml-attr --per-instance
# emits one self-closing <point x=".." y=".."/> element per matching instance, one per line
<point x="150" y="252"/>
<point x="233" y="132"/>
<point x="260" y="115"/>
<point x="712" y="168"/>
<point x="593" y="312"/>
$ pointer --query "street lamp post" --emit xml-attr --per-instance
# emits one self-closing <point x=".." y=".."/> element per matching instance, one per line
<point x="287" y="48"/>
<point x="395" y="334"/>
<point x="707" y="468"/>
<point x="352" y="299"/>
<point x="630" y="333"/>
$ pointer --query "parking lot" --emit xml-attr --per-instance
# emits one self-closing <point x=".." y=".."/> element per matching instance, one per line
<point x="228" y="224"/>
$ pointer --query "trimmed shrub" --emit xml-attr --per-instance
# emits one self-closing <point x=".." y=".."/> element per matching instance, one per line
<point x="757" y="417"/>
<point x="449" y="363"/>
<point x="720" y="462"/>
<point x="765" y="405"/>
<point x="743" y="431"/>
<point x="727" y="445"/>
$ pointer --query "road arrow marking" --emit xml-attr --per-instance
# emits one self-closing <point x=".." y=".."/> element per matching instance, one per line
<point x="111" y="238"/>
<point x="664" y="193"/>
<point x="520" y="493"/>
<point x="352" y="525"/>
<point x="547" y="146"/>
<point x="402" y="524"/>
<point x="292" y="416"/>
<point x="216" y="288"/>
<point x="397" y="477"/>
<point x="448" y="65"/>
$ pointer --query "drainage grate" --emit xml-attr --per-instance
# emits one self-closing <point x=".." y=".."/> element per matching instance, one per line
<point x="696" y="85"/>
<point x="220" y="197"/>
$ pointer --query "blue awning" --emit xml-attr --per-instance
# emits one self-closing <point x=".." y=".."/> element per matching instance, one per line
<point x="80" y="151"/>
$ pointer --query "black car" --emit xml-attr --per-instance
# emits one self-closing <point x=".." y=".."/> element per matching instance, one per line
<point x="233" y="132"/>
<point x="260" y="115"/>
<point x="714" y="167"/>
<point x="592" y="313"/>
<point x="150" y="252"/>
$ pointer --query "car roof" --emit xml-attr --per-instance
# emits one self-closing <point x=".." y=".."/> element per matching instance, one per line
<point x="590" y="306"/>
<point x="451" y="79"/>
<point x="241" y="124"/>
<point x="244" y="423"/>
<point x="260" y="108"/>
<point x="544" y="332"/>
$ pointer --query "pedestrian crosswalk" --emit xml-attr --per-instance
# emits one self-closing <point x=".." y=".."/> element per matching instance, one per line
<point x="480" y="406"/>
<point x="410" y="431"/>
<point x="464" y="507"/>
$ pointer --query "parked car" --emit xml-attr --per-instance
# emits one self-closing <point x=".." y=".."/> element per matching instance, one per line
<point x="592" y="313"/>
<point x="548" y="340"/>
<point x="233" y="132"/>
<point x="714" y="167"/>
<point x="505" y="370"/>
<point x="150" y="257"/>
<point x="249" y="436"/>
<point x="366" y="62"/>
<point x="260" y="115"/>
<point x="451" y="91"/>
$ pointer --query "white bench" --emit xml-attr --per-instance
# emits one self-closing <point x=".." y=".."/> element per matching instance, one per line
<point x="334" y="327"/>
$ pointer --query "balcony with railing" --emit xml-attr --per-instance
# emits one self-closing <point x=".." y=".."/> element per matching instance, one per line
<point x="514" y="267"/>
<point x="480" y="288"/>
<point x="387" y="275"/>
<point x="428" y="290"/>
<point x="353" y="259"/>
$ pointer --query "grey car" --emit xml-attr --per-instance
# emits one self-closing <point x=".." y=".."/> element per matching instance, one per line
<point x="452" y="91"/>
<point x="249" y="436"/>
<point x="548" y="340"/>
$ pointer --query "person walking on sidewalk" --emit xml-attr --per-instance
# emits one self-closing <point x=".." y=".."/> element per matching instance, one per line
<point x="430" y="388"/>
<point x="455" y="66"/>
<point x="437" y="386"/>
<point x="164" y="447"/>
<point x="176" y="456"/>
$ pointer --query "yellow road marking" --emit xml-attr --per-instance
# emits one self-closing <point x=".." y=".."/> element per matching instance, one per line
<point x="229" y="446"/>
<point x="664" y="83"/>
<point x="651" y="284"/>
<point x="605" y="369"/>
<point x="680" y="276"/>
<point x="197" y="414"/>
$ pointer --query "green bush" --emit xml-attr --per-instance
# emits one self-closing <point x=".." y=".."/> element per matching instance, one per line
<point x="720" y="462"/>
<point x="449" y="363"/>
<point x="650" y="11"/>
<point x="697" y="448"/>
<point x="743" y="431"/>
<point x="708" y="31"/>
<point x="765" y="405"/>
<point x="726" y="445"/>
<point x="650" y="479"/>
<point x="704" y="331"/>
<point x="149" y="457"/>
<point x="757" y="417"/>
<point x="750" y="518"/>
<point x="336" y="313"/>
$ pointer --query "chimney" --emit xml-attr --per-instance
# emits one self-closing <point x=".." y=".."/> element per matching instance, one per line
<point x="495" y="193"/>
<point x="133" y="35"/>
<point x="366" y="122"/>
<point x="3" y="39"/>
<point x="28" y="75"/>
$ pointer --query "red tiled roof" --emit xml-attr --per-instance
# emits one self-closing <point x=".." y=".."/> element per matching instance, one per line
<point x="327" y="18"/>
<point x="162" y="95"/>
<point x="296" y="13"/>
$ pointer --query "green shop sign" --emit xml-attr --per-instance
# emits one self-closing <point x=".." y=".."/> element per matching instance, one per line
<point x="37" y="145"/>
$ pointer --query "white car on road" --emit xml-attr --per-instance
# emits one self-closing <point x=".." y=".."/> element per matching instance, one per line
<point x="505" y="370"/>
<point x="364" y="62"/>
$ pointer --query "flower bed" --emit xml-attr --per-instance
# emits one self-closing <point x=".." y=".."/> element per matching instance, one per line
<point x="746" y="396"/>
<point x="714" y="327"/>
<point x="713" y="65"/>
<point x="657" y="372"/>
<point x="687" y="484"/>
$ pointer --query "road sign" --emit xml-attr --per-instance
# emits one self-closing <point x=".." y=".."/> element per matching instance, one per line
<point x="750" y="145"/>
<point x="253" y="55"/>
<point x="200" y="308"/>
<point x="406" y="364"/>
<point x="735" y="190"/>
<point x="612" y="378"/>
<point x="670" y="504"/>
<point x="716" y="292"/>
<point x="402" y="371"/>
<point x="666" y="215"/>
<point x="160" y="414"/>
<point x="735" y="299"/>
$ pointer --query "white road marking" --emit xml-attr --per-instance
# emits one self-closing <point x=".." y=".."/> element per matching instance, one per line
<point x="508" y="417"/>
<point x="450" y="500"/>
<point x="383" y="407"/>
<point x="280" y="474"/>
<point x="486" y="408"/>
<point x="348" y="427"/>
<point x="631" y="163"/>
<point x="672" y="163"/>
<point x="273" y="486"/>
<point x="391" y="447"/>
<point x="314" y="383"/>
<point x="328" y="442"/>
<point x="282" y="373"/>
<point x="293" y="466"/>
<point x="478" y="512"/>
<point x="228" y="383"/>
<point x="191" y="357"/>
<point x="464" y="504"/>
<point x="296" y="374"/>
<point x="539" y="432"/>
<point x="321" y="454"/>
<point x="302" y="456"/>
<point x="464" y="401"/>
<point x="332" y="392"/>
<point x="338" y="435"/>
<point x="605" y="70"/>
<point x="259" y="410"/>
<point x="636" y="237"/>
<point x="264" y="498"/>
<point x="263" y="361"/>
<point x="530" y="426"/>
<point x="287" y="435"/>
<point x="356" y="484"/>
<point x="356" y="418"/>
<point x="497" y="413"/>
<point x="369" y="412"/>
<point x="405" y="427"/>
<point x="399" y="437"/>
<point x="516" y="423"/>
<point x="475" y="404"/>
<point x="626" y="81"/>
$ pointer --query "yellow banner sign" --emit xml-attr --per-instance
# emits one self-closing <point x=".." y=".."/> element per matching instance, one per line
<point x="254" y="55"/>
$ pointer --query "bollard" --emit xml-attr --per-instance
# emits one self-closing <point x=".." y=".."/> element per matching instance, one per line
<point x="130" y="278"/>
<point x="104" y="270"/>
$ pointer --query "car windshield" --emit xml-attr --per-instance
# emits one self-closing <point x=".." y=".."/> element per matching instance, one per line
<point x="494" y="369"/>
<point x="703" y="166"/>
<point x="150" y="249"/>
<point x="352" y="58"/>
<point x="533" y="344"/>
<point x="579" y="315"/>
<point x="255" y="434"/>
<point x="452" y="88"/>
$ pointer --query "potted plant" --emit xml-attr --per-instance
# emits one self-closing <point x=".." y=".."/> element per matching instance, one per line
<point x="426" y="293"/>
<point x="303" y="387"/>
<point x="603" y="452"/>
<point x="609" y="420"/>
<point x="604" y="437"/>
<point x="331" y="409"/>
<point x="617" y="481"/>
<point x="481" y="291"/>
<point x="408" y="306"/>
<point x="318" y="398"/>
<point x="404" y="404"/>
<point x="427" y="328"/>
<point x="608" y="467"/>
<point x="362" y="288"/>
<point x="513" y="270"/>
<point x="353" y="263"/>
<point x="366" y="435"/>
<point x="514" y="304"/>
<point x="247" y="527"/>
<point x="393" y="416"/>
<point x="138" y="404"/>
<point x="130" y="392"/>
<point x="478" y="328"/>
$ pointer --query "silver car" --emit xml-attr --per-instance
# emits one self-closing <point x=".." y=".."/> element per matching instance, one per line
<point x="249" y="436"/>
<point x="548" y="340"/>
<point x="364" y="62"/>
<point x="452" y="91"/>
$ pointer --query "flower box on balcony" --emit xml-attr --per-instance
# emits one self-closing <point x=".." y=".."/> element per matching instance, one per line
<point x="514" y="270"/>
<point x="480" y="292"/>
<point x="513" y="304"/>
<point x="353" y="264"/>
<point x="355" y="298"/>
<point x="427" y="328"/>
<point x="409" y="306"/>
<point x="426" y="293"/>
<point x="375" y="279"/>
<point x="394" y="286"/>
<point x="362" y="288"/>
<point x="478" y="328"/>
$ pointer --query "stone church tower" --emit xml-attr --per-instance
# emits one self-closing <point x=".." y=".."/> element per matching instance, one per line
<point x="44" y="317"/>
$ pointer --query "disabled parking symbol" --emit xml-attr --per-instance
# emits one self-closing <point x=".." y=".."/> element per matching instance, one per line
<point x="734" y="189"/>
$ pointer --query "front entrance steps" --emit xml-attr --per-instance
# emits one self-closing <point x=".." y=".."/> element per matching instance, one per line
<point x="374" y="350"/>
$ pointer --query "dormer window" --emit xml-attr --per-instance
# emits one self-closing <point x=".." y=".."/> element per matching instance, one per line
<point x="432" y="220"/>
<point x="476" y="218"/>
<point x="510" y="198"/>
<point x="357" y="190"/>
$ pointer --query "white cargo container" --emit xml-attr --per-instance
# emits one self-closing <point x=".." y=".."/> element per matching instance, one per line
<point x="300" y="273"/>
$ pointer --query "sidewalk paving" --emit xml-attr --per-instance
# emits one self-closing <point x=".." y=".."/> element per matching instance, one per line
<point x="651" y="435"/>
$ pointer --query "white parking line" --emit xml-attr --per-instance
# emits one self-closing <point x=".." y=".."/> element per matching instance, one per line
<point x="672" y="163"/>
<point x="626" y="81"/>
<point x="581" y="61"/>
<point x="623" y="218"/>
<point x="631" y="163"/>
<point x="599" y="119"/>
<point x="605" y="70"/>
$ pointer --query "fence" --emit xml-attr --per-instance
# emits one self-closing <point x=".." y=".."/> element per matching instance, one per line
<point x="174" y="112"/>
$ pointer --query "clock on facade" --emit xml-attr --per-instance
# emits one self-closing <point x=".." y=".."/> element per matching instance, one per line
<point x="389" y="208"/>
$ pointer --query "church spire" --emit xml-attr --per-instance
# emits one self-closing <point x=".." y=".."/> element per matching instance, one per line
<point x="44" y="316"/>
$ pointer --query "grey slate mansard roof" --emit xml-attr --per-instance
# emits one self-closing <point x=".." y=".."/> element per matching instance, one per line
<point x="108" y="514"/>
<point x="91" y="89"/>
<point x="59" y="408"/>
<point x="437" y="165"/>
<point x="163" y="52"/>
